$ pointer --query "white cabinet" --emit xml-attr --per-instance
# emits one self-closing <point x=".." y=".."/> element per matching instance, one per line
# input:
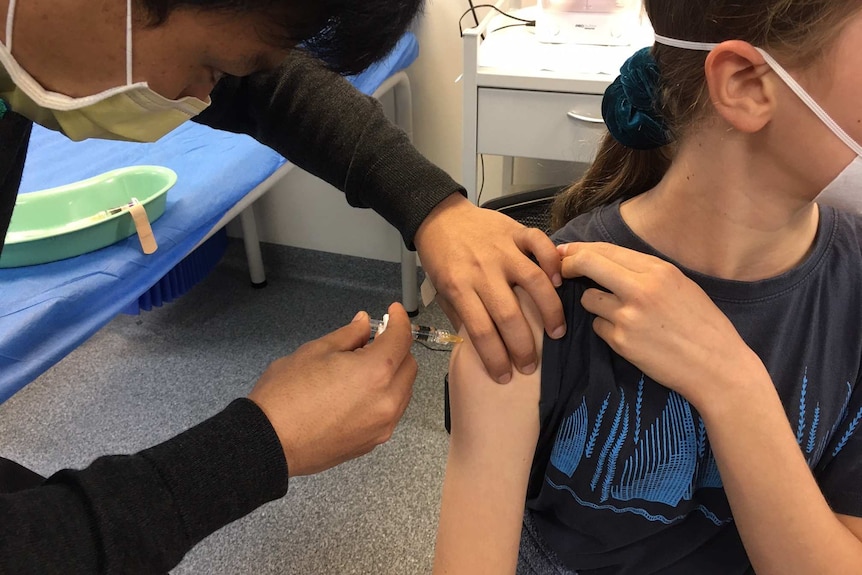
<point x="523" y="98"/>
<point x="545" y="125"/>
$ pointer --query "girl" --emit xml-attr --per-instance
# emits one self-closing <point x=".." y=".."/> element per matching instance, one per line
<point x="701" y="414"/>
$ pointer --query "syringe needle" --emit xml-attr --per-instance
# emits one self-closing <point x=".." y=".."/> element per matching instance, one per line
<point x="420" y="332"/>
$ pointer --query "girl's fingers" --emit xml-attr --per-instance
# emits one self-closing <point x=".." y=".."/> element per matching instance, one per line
<point x="605" y="271"/>
<point x="600" y="303"/>
<point x="631" y="259"/>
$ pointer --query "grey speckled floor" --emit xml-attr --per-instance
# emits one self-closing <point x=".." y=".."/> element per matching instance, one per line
<point x="142" y="379"/>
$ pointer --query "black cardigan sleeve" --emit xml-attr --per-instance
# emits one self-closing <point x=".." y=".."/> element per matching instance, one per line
<point x="320" y="122"/>
<point x="142" y="513"/>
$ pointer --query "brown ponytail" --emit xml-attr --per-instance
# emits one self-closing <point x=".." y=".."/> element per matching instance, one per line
<point x="617" y="172"/>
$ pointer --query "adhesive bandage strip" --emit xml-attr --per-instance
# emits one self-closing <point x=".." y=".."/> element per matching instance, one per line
<point x="142" y="226"/>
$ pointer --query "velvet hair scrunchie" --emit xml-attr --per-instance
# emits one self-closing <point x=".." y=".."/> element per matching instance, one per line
<point x="629" y="106"/>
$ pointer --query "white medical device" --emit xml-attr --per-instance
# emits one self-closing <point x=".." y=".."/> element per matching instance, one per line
<point x="595" y="22"/>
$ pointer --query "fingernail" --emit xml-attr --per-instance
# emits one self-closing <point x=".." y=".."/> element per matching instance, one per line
<point x="358" y="316"/>
<point x="504" y="379"/>
<point x="530" y="369"/>
<point x="559" y="332"/>
<point x="558" y="280"/>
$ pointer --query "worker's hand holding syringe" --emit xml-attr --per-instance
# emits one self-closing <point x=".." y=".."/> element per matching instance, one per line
<point x="338" y="397"/>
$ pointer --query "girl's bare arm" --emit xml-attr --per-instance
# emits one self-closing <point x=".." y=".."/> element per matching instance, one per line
<point x="494" y="432"/>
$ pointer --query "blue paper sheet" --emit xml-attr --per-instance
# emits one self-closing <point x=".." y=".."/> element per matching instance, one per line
<point x="48" y="310"/>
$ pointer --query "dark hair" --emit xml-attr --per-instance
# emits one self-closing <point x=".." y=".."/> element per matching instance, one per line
<point x="349" y="35"/>
<point x="796" y="30"/>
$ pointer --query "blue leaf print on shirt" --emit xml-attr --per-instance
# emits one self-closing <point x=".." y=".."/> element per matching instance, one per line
<point x="615" y="455"/>
<point x="812" y="431"/>
<point x="701" y="438"/>
<point x="591" y="444"/>
<point x="707" y="474"/>
<point x="638" y="404"/>
<point x="670" y="462"/>
<point x="800" y="426"/>
<point x="600" y="464"/>
<point x="569" y="446"/>
<point x="662" y="468"/>
<point x="849" y="433"/>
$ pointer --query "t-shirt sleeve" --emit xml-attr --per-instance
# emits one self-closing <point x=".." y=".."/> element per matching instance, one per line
<point x="556" y="356"/>
<point x="562" y="357"/>
<point x="840" y="471"/>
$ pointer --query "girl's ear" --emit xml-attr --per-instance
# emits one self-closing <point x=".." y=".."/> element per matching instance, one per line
<point x="741" y="86"/>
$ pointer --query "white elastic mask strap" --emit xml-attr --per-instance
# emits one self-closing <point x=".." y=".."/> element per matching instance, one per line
<point x="10" y="18"/>
<point x="685" y="44"/>
<point x="814" y="106"/>
<point x="128" y="42"/>
<point x="10" y="21"/>
<point x="784" y="75"/>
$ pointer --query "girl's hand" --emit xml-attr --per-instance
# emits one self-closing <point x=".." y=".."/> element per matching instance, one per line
<point x="660" y="321"/>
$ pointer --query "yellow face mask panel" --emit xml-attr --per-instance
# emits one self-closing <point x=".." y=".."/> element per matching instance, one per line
<point x="132" y="112"/>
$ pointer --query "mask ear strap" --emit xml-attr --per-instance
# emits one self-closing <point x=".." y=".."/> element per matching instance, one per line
<point x="10" y="19"/>
<point x="812" y="105"/>
<point x="128" y="41"/>
<point x="685" y="44"/>
<point x="785" y="76"/>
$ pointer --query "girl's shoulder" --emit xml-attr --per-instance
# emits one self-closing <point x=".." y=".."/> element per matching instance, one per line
<point x="845" y="220"/>
<point x="587" y="227"/>
<point x="841" y="232"/>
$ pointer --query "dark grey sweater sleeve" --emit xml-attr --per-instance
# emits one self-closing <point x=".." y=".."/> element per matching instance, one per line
<point x="142" y="513"/>
<point x="320" y="122"/>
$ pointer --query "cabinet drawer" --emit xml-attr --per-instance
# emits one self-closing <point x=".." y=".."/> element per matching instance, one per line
<point x="546" y="125"/>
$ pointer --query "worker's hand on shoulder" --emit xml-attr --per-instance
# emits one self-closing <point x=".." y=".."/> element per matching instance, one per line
<point x="338" y="397"/>
<point x="474" y="257"/>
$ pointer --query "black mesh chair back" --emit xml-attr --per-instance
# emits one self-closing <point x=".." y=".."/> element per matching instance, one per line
<point x="532" y="209"/>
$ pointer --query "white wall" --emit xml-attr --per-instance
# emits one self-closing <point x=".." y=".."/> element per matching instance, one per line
<point x="436" y="96"/>
<point x="304" y="212"/>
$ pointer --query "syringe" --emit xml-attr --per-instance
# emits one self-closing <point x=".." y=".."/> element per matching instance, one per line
<point x="421" y="333"/>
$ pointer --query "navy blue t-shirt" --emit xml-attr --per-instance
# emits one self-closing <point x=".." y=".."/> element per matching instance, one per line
<point x="624" y="480"/>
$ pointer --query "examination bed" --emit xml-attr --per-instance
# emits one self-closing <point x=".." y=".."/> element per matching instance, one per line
<point x="47" y="310"/>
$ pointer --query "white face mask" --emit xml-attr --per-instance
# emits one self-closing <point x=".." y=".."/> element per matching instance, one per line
<point x="844" y="191"/>
<point x="132" y="112"/>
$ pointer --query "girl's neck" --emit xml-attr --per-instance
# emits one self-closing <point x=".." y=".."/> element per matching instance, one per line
<point x="726" y="211"/>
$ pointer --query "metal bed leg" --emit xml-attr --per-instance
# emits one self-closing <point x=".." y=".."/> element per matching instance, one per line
<point x="252" y="247"/>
